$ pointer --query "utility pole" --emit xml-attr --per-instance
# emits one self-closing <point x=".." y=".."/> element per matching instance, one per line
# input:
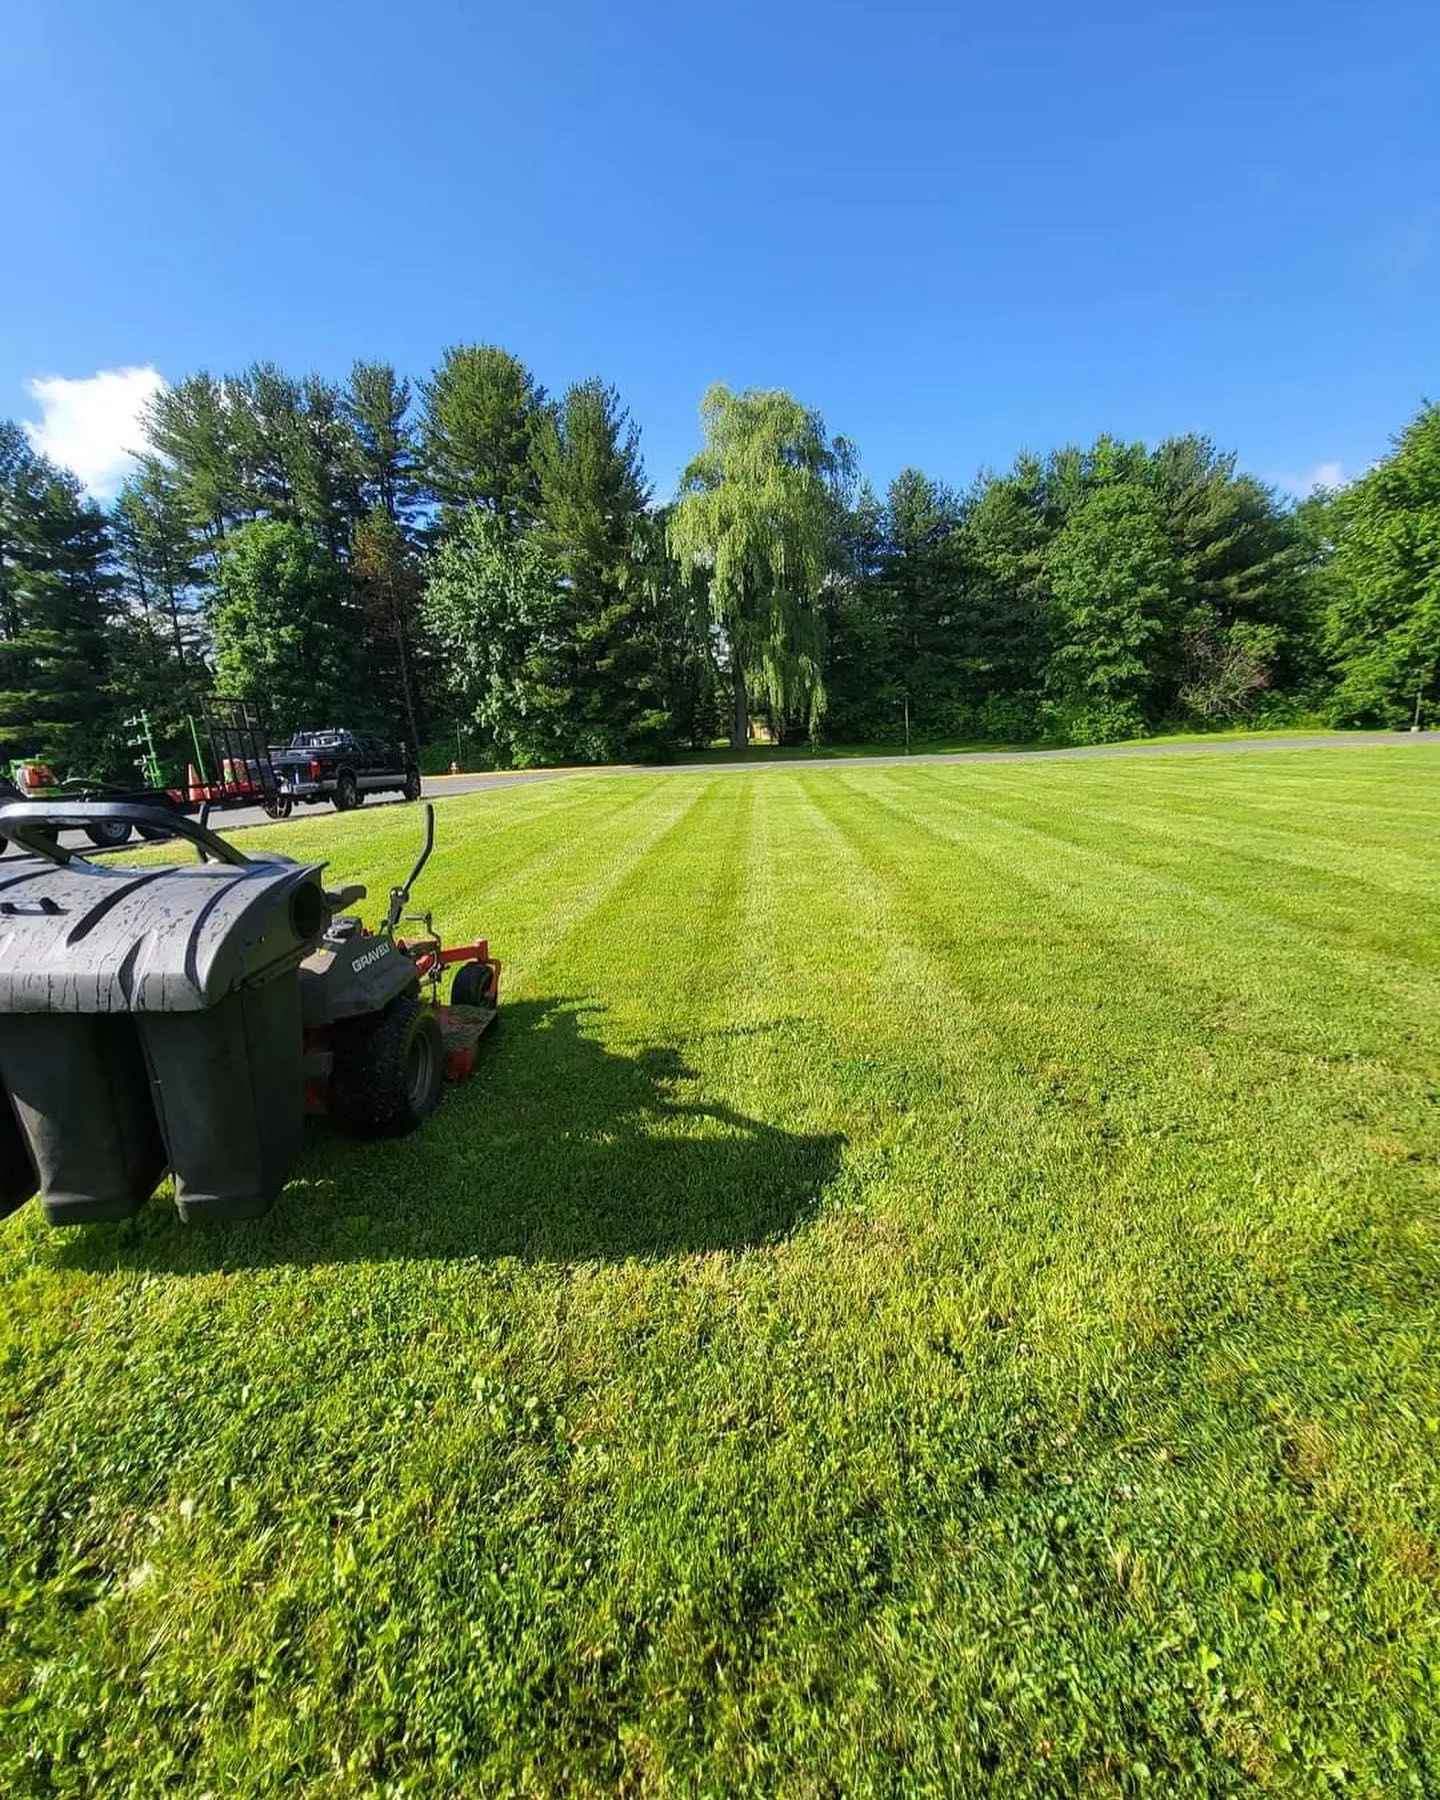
<point x="907" y="724"/>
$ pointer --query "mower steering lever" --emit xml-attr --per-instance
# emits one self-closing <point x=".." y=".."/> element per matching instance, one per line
<point x="400" y="896"/>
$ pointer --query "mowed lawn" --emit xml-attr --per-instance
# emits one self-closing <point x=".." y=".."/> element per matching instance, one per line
<point x="934" y="1290"/>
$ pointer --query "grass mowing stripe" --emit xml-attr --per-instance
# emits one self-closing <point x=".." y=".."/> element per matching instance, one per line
<point x="1302" y="841"/>
<point x="1134" y="977"/>
<point x="1154" y="1008"/>
<point x="629" y="930"/>
<point x="1363" y="791"/>
<point x="1325" y="894"/>
<point x="664" y="968"/>
<point x="608" y="864"/>
<point x="505" y="812"/>
<point x="1366" y="1089"/>
<point x="1372" y="924"/>
<point x="526" y="868"/>
<point x="1192" y="901"/>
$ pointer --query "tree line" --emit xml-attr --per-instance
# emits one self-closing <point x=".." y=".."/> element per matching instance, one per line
<point x="474" y="551"/>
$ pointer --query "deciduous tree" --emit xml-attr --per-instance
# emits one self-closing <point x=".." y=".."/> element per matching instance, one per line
<point x="1383" y="620"/>
<point x="760" y="512"/>
<point x="284" y="633"/>
<point x="495" y="601"/>
<point x="1114" y="585"/>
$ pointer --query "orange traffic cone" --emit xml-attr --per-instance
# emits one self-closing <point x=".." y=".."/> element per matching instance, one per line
<point x="192" y="784"/>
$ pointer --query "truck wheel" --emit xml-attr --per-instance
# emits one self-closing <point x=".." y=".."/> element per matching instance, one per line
<point x="389" y="1069"/>
<point x="347" y="792"/>
<point x="412" y="785"/>
<point x="108" y="834"/>
<point x="277" y="806"/>
<point x="473" y="984"/>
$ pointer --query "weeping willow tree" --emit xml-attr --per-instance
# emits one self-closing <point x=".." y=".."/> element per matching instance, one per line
<point x="758" y="513"/>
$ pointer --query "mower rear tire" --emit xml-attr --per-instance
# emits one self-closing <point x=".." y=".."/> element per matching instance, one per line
<point x="108" y="834"/>
<point x="347" y="792"/>
<point x="389" y="1070"/>
<point x="473" y="985"/>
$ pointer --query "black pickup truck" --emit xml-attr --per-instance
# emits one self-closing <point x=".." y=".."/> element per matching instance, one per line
<point x="342" y="767"/>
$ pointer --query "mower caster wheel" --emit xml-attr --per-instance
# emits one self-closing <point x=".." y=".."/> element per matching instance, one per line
<point x="108" y="834"/>
<point x="389" y="1069"/>
<point x="472" y="985"/>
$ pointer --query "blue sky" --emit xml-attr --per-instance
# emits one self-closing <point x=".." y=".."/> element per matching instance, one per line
<point x="957" y="230"/>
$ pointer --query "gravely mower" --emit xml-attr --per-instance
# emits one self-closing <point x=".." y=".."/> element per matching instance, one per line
<point x="188" y="1016"/>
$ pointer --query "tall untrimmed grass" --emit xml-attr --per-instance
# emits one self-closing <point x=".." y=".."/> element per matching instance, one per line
<point x="934" y="1290"/>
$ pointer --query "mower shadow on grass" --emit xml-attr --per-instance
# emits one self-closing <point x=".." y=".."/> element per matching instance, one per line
<point x="560" y="1149"/>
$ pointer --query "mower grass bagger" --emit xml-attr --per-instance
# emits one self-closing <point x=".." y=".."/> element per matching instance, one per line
<point x="189" y="1016"/>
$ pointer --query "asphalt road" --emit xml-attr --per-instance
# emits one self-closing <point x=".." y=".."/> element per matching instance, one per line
<point x="438" y="787"/>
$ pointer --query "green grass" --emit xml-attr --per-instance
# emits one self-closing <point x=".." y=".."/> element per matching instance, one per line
<point x="768" y="753"/>
<point x="934" y="1290"/>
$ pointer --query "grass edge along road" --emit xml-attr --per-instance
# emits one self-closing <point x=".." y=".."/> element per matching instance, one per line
<point x="933" y="1288"/>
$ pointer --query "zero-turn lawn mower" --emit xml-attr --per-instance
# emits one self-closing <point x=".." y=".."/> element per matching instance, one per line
<point x="188" y="1016"/>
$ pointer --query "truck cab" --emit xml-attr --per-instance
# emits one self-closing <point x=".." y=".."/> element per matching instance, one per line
<point x="343" y="767"/>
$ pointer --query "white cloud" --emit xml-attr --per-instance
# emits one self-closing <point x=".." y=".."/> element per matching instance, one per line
<point x="92" y="425"/>
<point x="1323" y="475"/>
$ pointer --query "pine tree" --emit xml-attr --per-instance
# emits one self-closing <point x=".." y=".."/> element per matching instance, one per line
<point x="480" y="409"/>
<point x="159" y="572"/>
<point x="385" y="572"/>
<point x="376" y="404"/>
<point x="199" y="432"/>
<point x="56" y="599"/>
<point x="591" y="498"/>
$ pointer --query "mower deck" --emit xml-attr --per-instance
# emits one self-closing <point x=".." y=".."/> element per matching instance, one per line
<point x="462" y="1028"/>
